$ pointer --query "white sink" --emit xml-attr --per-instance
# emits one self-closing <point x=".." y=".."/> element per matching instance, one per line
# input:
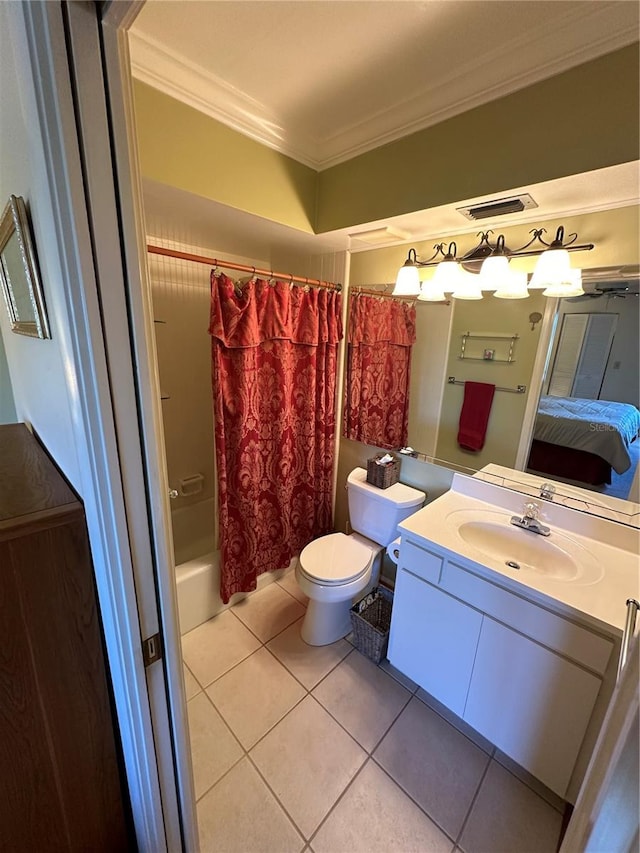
<point x="557" y="557"/>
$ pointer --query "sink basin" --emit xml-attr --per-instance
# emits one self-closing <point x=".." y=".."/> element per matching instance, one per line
<point x="558" y="557"/>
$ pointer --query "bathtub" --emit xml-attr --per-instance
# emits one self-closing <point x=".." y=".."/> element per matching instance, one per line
<point x="198" y="566"/>
<point x="198" y="586"/>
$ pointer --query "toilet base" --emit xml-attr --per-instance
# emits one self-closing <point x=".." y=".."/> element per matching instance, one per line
<point x="326" y="622"/>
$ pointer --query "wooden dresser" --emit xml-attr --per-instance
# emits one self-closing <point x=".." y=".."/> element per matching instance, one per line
<point x="61" y="784"/>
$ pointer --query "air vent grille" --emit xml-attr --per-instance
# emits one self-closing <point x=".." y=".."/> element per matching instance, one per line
<point x="498" y="207"/>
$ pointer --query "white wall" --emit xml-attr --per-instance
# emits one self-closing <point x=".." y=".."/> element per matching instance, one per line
<point x="41" y="371"/>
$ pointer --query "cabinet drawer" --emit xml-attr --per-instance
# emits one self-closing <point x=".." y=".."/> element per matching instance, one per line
<point x="579" y="644"/>
<point x="417" y="560"/>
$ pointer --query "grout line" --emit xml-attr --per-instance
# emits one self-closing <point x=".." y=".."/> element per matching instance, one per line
<point x="413" y="800"/>
<point x="490" y="753"/>
<point x="340" y="798"/>
<point x="305" y="840"/>
<point x="473" y="802"/>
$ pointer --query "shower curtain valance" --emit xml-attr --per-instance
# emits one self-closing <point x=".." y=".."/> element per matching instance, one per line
<point x="372" y="321"/>
<point x="273" y="311"/>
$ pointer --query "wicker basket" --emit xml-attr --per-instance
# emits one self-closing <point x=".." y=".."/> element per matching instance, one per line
<point x="382" y="476"/>
<point x="370" y="621"/>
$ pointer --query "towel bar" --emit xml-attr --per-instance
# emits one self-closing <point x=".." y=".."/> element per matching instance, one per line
<point x="519" y="389"/>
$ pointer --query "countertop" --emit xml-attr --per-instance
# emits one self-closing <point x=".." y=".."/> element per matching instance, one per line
<point x="613" y="546"/>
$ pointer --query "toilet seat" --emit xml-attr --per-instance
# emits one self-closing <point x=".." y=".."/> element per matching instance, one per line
<point x="335" y="559"/>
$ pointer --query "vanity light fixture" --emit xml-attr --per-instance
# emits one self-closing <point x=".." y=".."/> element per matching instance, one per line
<point x="571" y="285"/>
<point x="513" y="286"/>
<point x="553" y="273"/>
<point x="408" y="279"/>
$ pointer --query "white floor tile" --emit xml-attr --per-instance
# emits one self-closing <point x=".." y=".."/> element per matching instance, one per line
<point x="241" y="815"/>
<point x="191" y="686"/>
<point x="215" y="646"/>
<point x="375" y="816"/>
<point x="213" y="748"/>
<point x="363" y="698"/>
<point x="290" y="583"/>
<point x="309" y="664"/>
<point x="508" y="816"/>
<point x="254" y="695"/>
<point x="435" y="764"/>
<point x="399" y="676"/>
<point x="268" y="611"/>
<point x="308" y="761"/>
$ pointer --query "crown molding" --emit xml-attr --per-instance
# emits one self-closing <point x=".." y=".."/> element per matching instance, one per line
<point x="454" y="93"/>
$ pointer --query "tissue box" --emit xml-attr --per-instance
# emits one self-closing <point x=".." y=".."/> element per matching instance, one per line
<point x="383" y="476"/>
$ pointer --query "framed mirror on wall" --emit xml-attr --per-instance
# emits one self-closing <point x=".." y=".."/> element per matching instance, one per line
<point x="21" y="286"/>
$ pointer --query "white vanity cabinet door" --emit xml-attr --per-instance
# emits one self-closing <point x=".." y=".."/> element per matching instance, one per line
<point x="433" y="639"/>
<point x="531" y="703"/>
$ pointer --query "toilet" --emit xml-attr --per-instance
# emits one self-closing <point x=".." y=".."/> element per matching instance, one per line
<point x="336" y="569"/>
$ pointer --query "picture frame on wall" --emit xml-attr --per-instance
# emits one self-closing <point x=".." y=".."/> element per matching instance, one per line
<point x="19" y="277"/>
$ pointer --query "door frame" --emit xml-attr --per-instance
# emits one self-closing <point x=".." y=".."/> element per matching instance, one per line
<point x="91" y="173"/>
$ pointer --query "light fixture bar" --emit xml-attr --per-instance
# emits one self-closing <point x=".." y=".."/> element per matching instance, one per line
<point x="524" y="251"/>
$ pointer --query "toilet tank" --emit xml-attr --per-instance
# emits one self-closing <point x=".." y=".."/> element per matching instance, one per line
<point x="376" y="513"/>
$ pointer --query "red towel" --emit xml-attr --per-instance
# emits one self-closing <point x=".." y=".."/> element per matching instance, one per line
<point x="474" y="416"/>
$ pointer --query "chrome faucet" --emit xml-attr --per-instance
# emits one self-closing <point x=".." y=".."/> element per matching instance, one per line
<point x="547" y="491"/>
<point x="529" y="520"/>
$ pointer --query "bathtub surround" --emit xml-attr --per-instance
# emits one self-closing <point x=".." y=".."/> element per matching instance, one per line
<point x="274" y="364"/>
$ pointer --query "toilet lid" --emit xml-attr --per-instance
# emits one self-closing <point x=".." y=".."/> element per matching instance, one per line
<point x="335" y="559"/>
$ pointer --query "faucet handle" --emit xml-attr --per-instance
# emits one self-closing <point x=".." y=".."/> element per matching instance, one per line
<point x="547" y="491"/>
<point x="531" y="510"/>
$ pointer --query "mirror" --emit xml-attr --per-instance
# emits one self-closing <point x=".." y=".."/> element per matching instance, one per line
<point x="451" y="343"/>
<point x="19" y="273"/>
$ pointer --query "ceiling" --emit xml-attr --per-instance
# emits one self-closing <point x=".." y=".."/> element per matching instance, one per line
<point x="325" y="80"/>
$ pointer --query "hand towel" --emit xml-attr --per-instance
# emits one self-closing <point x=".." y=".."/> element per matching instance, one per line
<point x="474" y="415"/>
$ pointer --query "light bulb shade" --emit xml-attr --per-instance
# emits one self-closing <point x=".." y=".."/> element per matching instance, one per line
<point x="467" y="287"/>
<point x="571" y="286"/>
<point x="430" y="292"/>
<point x="513" y="287"/>
<point x="407" y="281"/>
<point x="553" y="267"/>
<point x="494" y="272"/>
<point x="447" y="275"/>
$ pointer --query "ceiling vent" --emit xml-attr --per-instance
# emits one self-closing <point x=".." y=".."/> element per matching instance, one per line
<point x="498" y="207"/>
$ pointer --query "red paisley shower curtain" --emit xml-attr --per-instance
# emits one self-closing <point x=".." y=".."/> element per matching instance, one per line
<point x="376" y="407"/>
<point x="274" y="352"/>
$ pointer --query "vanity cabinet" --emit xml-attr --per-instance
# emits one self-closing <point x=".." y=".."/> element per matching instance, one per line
<point x="444" y="630"/>
<point x="521" y="675"/>
<point x="531" y="703"/>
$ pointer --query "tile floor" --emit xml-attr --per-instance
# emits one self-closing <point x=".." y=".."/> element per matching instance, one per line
<point x="319" y="750"/>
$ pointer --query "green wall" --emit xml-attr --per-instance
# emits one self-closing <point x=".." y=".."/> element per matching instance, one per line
<point x="584" y="119"/>
<point x="182" y="147"/>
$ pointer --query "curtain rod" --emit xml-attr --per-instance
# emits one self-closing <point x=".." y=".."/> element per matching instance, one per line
<point x="231" y="265"/>
<point x="369" y="291"/>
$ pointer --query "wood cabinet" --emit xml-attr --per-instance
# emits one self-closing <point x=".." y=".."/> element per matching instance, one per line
<point x="61" y="781"/>
<point x="523" y="676"/>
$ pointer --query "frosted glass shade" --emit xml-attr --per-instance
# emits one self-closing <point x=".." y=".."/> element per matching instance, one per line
<point x="571" y="286"/>
<point x="513" y="287"/>
<point x="553" y="267"/>
<point x="447" y="276"/>
<point x="430" y="292"/>
<point x="467" y="287"/>
<point x="407" y="281"/>
<point x="494" y="272"/>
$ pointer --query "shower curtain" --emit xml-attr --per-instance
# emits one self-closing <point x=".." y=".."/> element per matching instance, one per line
<point x="376" y="406"/>
<point x="274" y="354"/>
